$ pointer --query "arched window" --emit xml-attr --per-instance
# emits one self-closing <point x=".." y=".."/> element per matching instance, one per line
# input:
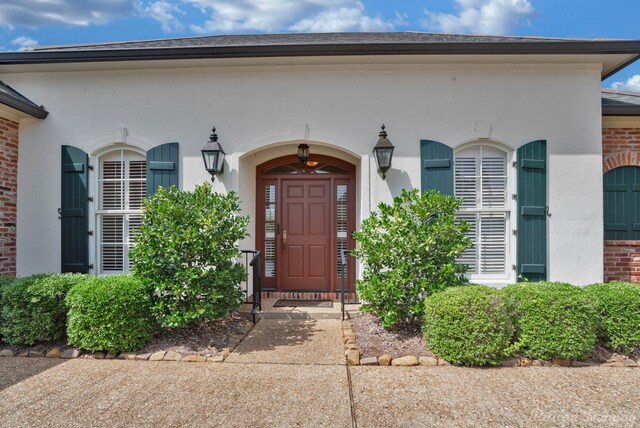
<point x="482" y="181"/>
<point x="121" y="191"/>
<point x="622" y="203"/>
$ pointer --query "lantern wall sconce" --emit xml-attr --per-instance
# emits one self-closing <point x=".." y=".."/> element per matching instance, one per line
<point x="303" y="153"/>
<point x="383" y="153"/>
<point x="213" y="155"/>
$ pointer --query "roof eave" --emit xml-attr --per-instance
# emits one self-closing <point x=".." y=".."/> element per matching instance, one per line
<point x="631" y="47"/>
<point x="31" y="110"/>
<point x="627" y="110"/>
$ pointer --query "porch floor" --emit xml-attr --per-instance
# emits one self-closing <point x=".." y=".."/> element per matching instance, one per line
<point x="299" y="312"/>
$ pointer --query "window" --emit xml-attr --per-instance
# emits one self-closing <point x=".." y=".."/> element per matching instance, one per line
<point x="622" y="203"/>
<point x="481" y="181"/>
<point x="121" y="191"/>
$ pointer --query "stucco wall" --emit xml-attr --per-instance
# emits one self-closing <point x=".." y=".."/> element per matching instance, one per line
<point x="337" y="108"/>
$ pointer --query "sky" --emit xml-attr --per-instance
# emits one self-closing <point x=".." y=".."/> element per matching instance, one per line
<point x="28" y="23"/>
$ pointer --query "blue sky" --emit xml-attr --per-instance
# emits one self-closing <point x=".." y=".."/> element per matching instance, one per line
<point x="26" y="23"/>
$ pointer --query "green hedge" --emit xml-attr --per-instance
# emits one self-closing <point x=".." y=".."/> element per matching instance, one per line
<point x="553" y="320"/>
<point x="4" y="281"/>
<point x="110" y="313"/>
<point x="33" y="308"/>
<point x="469" y="325"/>
<point x="618" y="306"/>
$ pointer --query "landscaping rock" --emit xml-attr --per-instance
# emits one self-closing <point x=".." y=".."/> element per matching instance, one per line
<point x="111" y="356"/>
<point x="525" y="362"/>
<point x="622" y="363"/>
<point x="351" y="346"/>
<point x="216" y="359"/>
<point x="369" y="361"/>
<point x="172" y="356"/>
<point x="194" y="359"/>
<point x="346" y="325"/>
<point x="71" y="353"/>
<point x="587" y="363"/>
<point x="225" y="352"/>
<point x="442" y="362"/>
<point x="428" y="361"/>
<point x="510" y="362"/>
<point x="348" y="336"/>
<point x="562" y="362"/>
<point x="353" y="358"/>
<point x="157" y="356"/>
<point x="127" y="356"/>
<point x="6" y="353"/>
<point x="23" y="353"/>
<point x="537" y="363"/>
<point x="143" y="357"/>
<point x="54" y="353"/>
<point x="95" y="355"/>
<point x="409" y="360"/>
<point x="37" y="351"/>
<point x="384" y="360"/>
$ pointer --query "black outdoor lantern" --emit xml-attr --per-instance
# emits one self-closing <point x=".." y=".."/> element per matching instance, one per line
<point x="383" y="152"/>
<point x="213" y="155"/>
<point x="303" y="153"/>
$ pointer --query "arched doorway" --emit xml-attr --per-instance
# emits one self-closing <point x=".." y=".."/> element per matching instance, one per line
<point x="305" y="213"/>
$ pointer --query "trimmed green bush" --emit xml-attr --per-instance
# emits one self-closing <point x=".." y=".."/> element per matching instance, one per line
<point x="408" y="251"/>
<point x="4" y="281"/>
<point x="185" y="252"/>
<point x="109" y="313"/>
<point x="470" y="325"/>
<point x="618" y="306"/>
<point x="553" y="319"/>
<point x="33" y="308"/>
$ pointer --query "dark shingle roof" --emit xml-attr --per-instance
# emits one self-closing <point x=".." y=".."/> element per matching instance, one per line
<point x="292" y="39"/>
<point x="618" y="103"/>
<point x="14" y="99"/>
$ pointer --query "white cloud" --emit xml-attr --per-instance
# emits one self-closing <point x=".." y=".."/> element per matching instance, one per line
<point x="632" y="84"/>
<point x="23" y="43"/>
<point x="165" y="13"/>
<point x="482" y="17"/>
<point x="291" y="15"/>
<point x="35" y="13"/>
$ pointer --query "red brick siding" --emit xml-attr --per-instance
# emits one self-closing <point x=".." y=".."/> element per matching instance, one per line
<point x="8" y="195"/>
<point x="621" y="147"/>
<point x="622" y="261"/>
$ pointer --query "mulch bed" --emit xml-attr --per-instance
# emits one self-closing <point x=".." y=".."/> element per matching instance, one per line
<point x="207" y="339"/>
<point x="398" y="341"/>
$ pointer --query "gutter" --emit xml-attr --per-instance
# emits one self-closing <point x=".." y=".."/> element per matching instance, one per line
<point x="30" y="109"/>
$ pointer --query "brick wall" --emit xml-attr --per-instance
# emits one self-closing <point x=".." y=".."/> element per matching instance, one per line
<point x="622" y="261"/>
<point x="8" y="195"/>
<point x="621" y="147"/>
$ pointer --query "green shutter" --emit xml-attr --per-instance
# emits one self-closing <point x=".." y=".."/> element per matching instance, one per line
<point x="532" y="211"/>
<point x="436" y="166"/>
<point x="162" y="167"/>
<point x="622" y="203"/>
<point x="74" y="210"/>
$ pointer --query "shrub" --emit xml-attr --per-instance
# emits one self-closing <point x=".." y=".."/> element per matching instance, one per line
<point x="109" y="313"/>
<point x="33" y="308"/>
<point x="469" y="325"/>
<point x="185" y="252"/>
<point x="553" y="320"/>
<point x="618" y="306"/>
<point x="4" y="281"/>
<point x="408" y="251"/>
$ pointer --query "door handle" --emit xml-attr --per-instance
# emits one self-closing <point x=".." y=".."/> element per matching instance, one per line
<point x="284" y="237"/>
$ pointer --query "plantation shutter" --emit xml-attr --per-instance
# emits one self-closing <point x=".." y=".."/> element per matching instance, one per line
<point x="532" y="211"/>
<point x="437" y="167"/>
<point x="622" y="203"/>
<point x="162" y="167"/>
<point x="74" y="207"/>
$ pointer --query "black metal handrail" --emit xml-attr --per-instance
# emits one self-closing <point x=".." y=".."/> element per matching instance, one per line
<point x="343" y="267"/>
<point x="256" y="297"/>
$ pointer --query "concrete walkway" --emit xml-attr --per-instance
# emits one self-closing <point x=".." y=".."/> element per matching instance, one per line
<point x="292" y="374"/>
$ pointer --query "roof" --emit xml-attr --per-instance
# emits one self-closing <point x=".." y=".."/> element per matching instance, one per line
<point x="14" y="99"/>
<point x="619" y="103"/>
<point x="325" y="44"/>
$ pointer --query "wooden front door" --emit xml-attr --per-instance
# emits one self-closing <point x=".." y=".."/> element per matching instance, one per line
<point x="304" y="217"/>
<point x="306" y="235"/>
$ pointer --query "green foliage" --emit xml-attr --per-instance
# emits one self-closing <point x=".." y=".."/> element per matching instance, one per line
<point x="618" y="306"/>
<point x="185" y="253"/>
<point x="469" y="325"/>
<point x="4" y="281"/>
<point x="109" y="313"/>
<point x="408" y="250"/>
<point x="553" y="320"/>
<point x="33" y="308"/>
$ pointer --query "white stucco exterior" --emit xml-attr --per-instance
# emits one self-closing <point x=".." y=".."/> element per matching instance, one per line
<point x="264" y="109"/>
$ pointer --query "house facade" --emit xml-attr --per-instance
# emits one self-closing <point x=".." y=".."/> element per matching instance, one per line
<point x="514" y="126"/>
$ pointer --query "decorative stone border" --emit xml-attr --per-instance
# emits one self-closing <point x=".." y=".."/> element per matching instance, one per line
<point x="72" y="353"/>
<point x="354" y="357"/>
